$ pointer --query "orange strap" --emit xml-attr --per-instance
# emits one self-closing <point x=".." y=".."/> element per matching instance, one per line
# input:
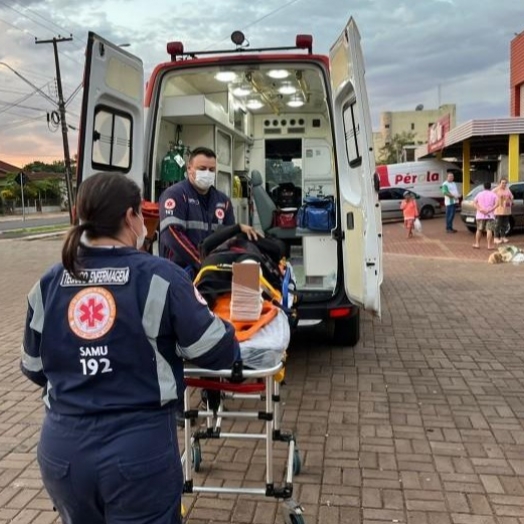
<point x="244" y="330"/>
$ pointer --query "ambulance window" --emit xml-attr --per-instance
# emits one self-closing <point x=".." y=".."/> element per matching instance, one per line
<point x="352" y="134"/>
<point x="112" y="139"/>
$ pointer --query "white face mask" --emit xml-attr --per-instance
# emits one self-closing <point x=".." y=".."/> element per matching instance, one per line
<point x="140" y="239"/>
<point x="204" y="179"/>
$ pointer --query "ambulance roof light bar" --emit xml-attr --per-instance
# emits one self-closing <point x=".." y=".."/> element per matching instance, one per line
<point x="176" y="49"/>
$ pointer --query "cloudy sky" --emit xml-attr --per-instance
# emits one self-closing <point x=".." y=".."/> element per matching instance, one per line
<point x="416" y="52"/>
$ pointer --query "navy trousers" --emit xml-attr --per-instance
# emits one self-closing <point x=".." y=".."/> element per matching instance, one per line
<point x="450" y="216"/>
<point x="113" y="468"/>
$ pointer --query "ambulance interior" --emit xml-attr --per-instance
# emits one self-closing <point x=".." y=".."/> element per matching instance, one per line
<point x="270" y="127"/>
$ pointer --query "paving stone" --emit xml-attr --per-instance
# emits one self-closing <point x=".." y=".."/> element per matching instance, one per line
<point x="420" y="423"/>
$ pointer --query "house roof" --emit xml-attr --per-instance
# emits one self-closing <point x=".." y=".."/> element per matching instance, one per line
<point x="8" y="168"/>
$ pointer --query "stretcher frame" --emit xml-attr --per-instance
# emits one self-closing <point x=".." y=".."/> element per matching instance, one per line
<point x="232" y="384"/>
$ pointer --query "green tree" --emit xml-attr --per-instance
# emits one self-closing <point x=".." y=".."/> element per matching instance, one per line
<point x="57" y="166"/>
<point x="391" y="153"/>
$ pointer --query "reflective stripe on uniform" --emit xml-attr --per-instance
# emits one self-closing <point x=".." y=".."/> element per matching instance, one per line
<point x="153" y="311"/>
<point x="37" y="305"/>
<point x="212" y="336"/>
<point x="33" y="364"/>
<point x="186" y="224"/>
<point x="45" y="397"/>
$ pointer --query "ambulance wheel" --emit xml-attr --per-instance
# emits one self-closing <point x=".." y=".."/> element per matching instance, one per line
<point x="427" y="212"/>
<point x="196" y="455"/>
<point x="297" y="463"/>
<point x="346" y="331"/>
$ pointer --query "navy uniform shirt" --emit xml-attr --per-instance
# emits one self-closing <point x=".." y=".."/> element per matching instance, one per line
<point x="187" y="218"/>
<point x="118" y="341"/>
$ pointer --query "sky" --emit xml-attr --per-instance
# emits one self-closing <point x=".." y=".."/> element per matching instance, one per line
<point x="426" y="52"/>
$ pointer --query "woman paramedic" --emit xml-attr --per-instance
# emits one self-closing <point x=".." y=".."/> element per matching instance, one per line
<point x="106" y="335"/>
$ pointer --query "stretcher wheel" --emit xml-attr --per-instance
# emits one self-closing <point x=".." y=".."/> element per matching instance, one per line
<point x="294" y="518"/>
<point x="196" y="456"/>
<point x="297" y="463"/>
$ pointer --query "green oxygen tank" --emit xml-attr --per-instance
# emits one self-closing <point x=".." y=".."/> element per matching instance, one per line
<point x="173" y="164"/>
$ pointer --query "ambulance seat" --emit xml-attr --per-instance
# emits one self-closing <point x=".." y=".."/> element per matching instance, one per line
<point x="266" y="209"/>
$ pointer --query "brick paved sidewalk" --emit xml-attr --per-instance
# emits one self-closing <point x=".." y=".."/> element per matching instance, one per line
<point x="422" y="423"/>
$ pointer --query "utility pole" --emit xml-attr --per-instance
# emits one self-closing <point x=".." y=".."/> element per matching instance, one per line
<point x="62" y="111"/>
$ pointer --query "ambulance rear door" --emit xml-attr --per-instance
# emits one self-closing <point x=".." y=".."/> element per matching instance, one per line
<point x="112" y="121"/>
<point x="359" y="219"/>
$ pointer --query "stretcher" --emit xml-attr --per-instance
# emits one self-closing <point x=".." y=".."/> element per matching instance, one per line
<point x="239" y="384"/>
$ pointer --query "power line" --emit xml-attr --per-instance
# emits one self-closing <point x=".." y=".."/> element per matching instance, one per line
<point x="17" y="102"/>
<point x="258" y="20"/>
<point x="47" y="20"/>
<point x="28" y="82"/>
<point x="17" y="28"/>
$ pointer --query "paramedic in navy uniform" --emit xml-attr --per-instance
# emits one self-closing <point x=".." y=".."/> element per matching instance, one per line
<point x="106" y="335"/>
<point x="192" y="209"/>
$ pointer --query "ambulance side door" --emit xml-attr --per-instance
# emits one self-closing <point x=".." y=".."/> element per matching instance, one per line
<point x="360" y="219"/>
<point x="112" y="121"/>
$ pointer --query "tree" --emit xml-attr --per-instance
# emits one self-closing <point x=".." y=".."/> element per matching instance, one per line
<point x="391" y="153"/>
<point x="57" y="166"/>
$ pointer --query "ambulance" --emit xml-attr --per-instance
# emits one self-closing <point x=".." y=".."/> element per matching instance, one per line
<point x="424" y="177"/>
<point x="276" y="118"/>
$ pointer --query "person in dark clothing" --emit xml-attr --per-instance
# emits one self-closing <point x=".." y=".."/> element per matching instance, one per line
<point x="193" y="209"/>
<point x="106" y="335"/>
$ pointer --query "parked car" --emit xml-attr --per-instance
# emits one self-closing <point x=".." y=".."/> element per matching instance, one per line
<point x="391" y="198"/>
<point x="516" y="221"/>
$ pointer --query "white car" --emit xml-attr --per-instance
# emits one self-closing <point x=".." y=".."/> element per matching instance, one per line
<point x="391" y="198"/>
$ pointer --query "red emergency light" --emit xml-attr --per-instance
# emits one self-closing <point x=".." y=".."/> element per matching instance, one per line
<point x="175" y="48"/>
<point x="305" y="42"/>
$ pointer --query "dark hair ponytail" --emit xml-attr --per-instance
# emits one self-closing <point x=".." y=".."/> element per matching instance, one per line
<point x="101" y="204"/>
<point x="70" y="250"/>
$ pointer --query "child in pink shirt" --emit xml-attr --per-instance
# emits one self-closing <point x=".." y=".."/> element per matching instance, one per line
<point x="410" y="212"/>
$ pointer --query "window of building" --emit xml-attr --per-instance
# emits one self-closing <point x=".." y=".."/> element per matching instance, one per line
<point x="412" y="126"/>
<point x="387" y="126"/>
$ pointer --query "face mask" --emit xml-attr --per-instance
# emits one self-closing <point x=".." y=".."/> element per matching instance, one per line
<point x="140" y="239"/>
<point x="204" y="179"/>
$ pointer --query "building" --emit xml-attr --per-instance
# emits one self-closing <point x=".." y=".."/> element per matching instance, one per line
<point x="6" y="168"/>
<point x="418" y="122"/>
<point x="517" y="75"/>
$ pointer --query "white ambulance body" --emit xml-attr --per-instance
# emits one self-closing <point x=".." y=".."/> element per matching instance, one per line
<point x="424" y="177"/>
<point x="282" y="116"/>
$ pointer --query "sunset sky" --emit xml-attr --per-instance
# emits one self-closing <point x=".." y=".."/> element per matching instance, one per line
<point x="417" y="52"/>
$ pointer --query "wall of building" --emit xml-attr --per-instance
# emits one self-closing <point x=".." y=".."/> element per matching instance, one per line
<point x="517" y="76"/>
<point x="396" y="122"/>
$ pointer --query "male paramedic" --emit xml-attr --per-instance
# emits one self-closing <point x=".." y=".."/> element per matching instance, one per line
<point x="193" y="209"/>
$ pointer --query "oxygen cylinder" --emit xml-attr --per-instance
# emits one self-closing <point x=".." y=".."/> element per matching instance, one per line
<point x="173" y="165"/>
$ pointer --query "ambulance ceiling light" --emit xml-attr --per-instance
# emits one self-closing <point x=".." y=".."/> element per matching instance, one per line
<point x="278" y="73"/>
<point x="254" y="103"/>
<point x="295" y="101"/>
<point x="226" y="76"/>
<point x="287" y="89"/>
<point x="241" y="90"/>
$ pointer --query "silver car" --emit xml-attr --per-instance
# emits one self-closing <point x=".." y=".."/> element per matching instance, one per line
<point x="391" y="198"/>
<point x="516" y="221"/>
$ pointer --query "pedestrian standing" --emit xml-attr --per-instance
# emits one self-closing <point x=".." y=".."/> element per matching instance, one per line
<point x="502" y="211"/>
<point x="451" y="199"/>
<point x="485" y="203"/>
<point x="410" y="212"/>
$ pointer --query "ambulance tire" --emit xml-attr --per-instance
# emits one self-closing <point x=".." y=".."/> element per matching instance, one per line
<point x="346" y="331"/>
